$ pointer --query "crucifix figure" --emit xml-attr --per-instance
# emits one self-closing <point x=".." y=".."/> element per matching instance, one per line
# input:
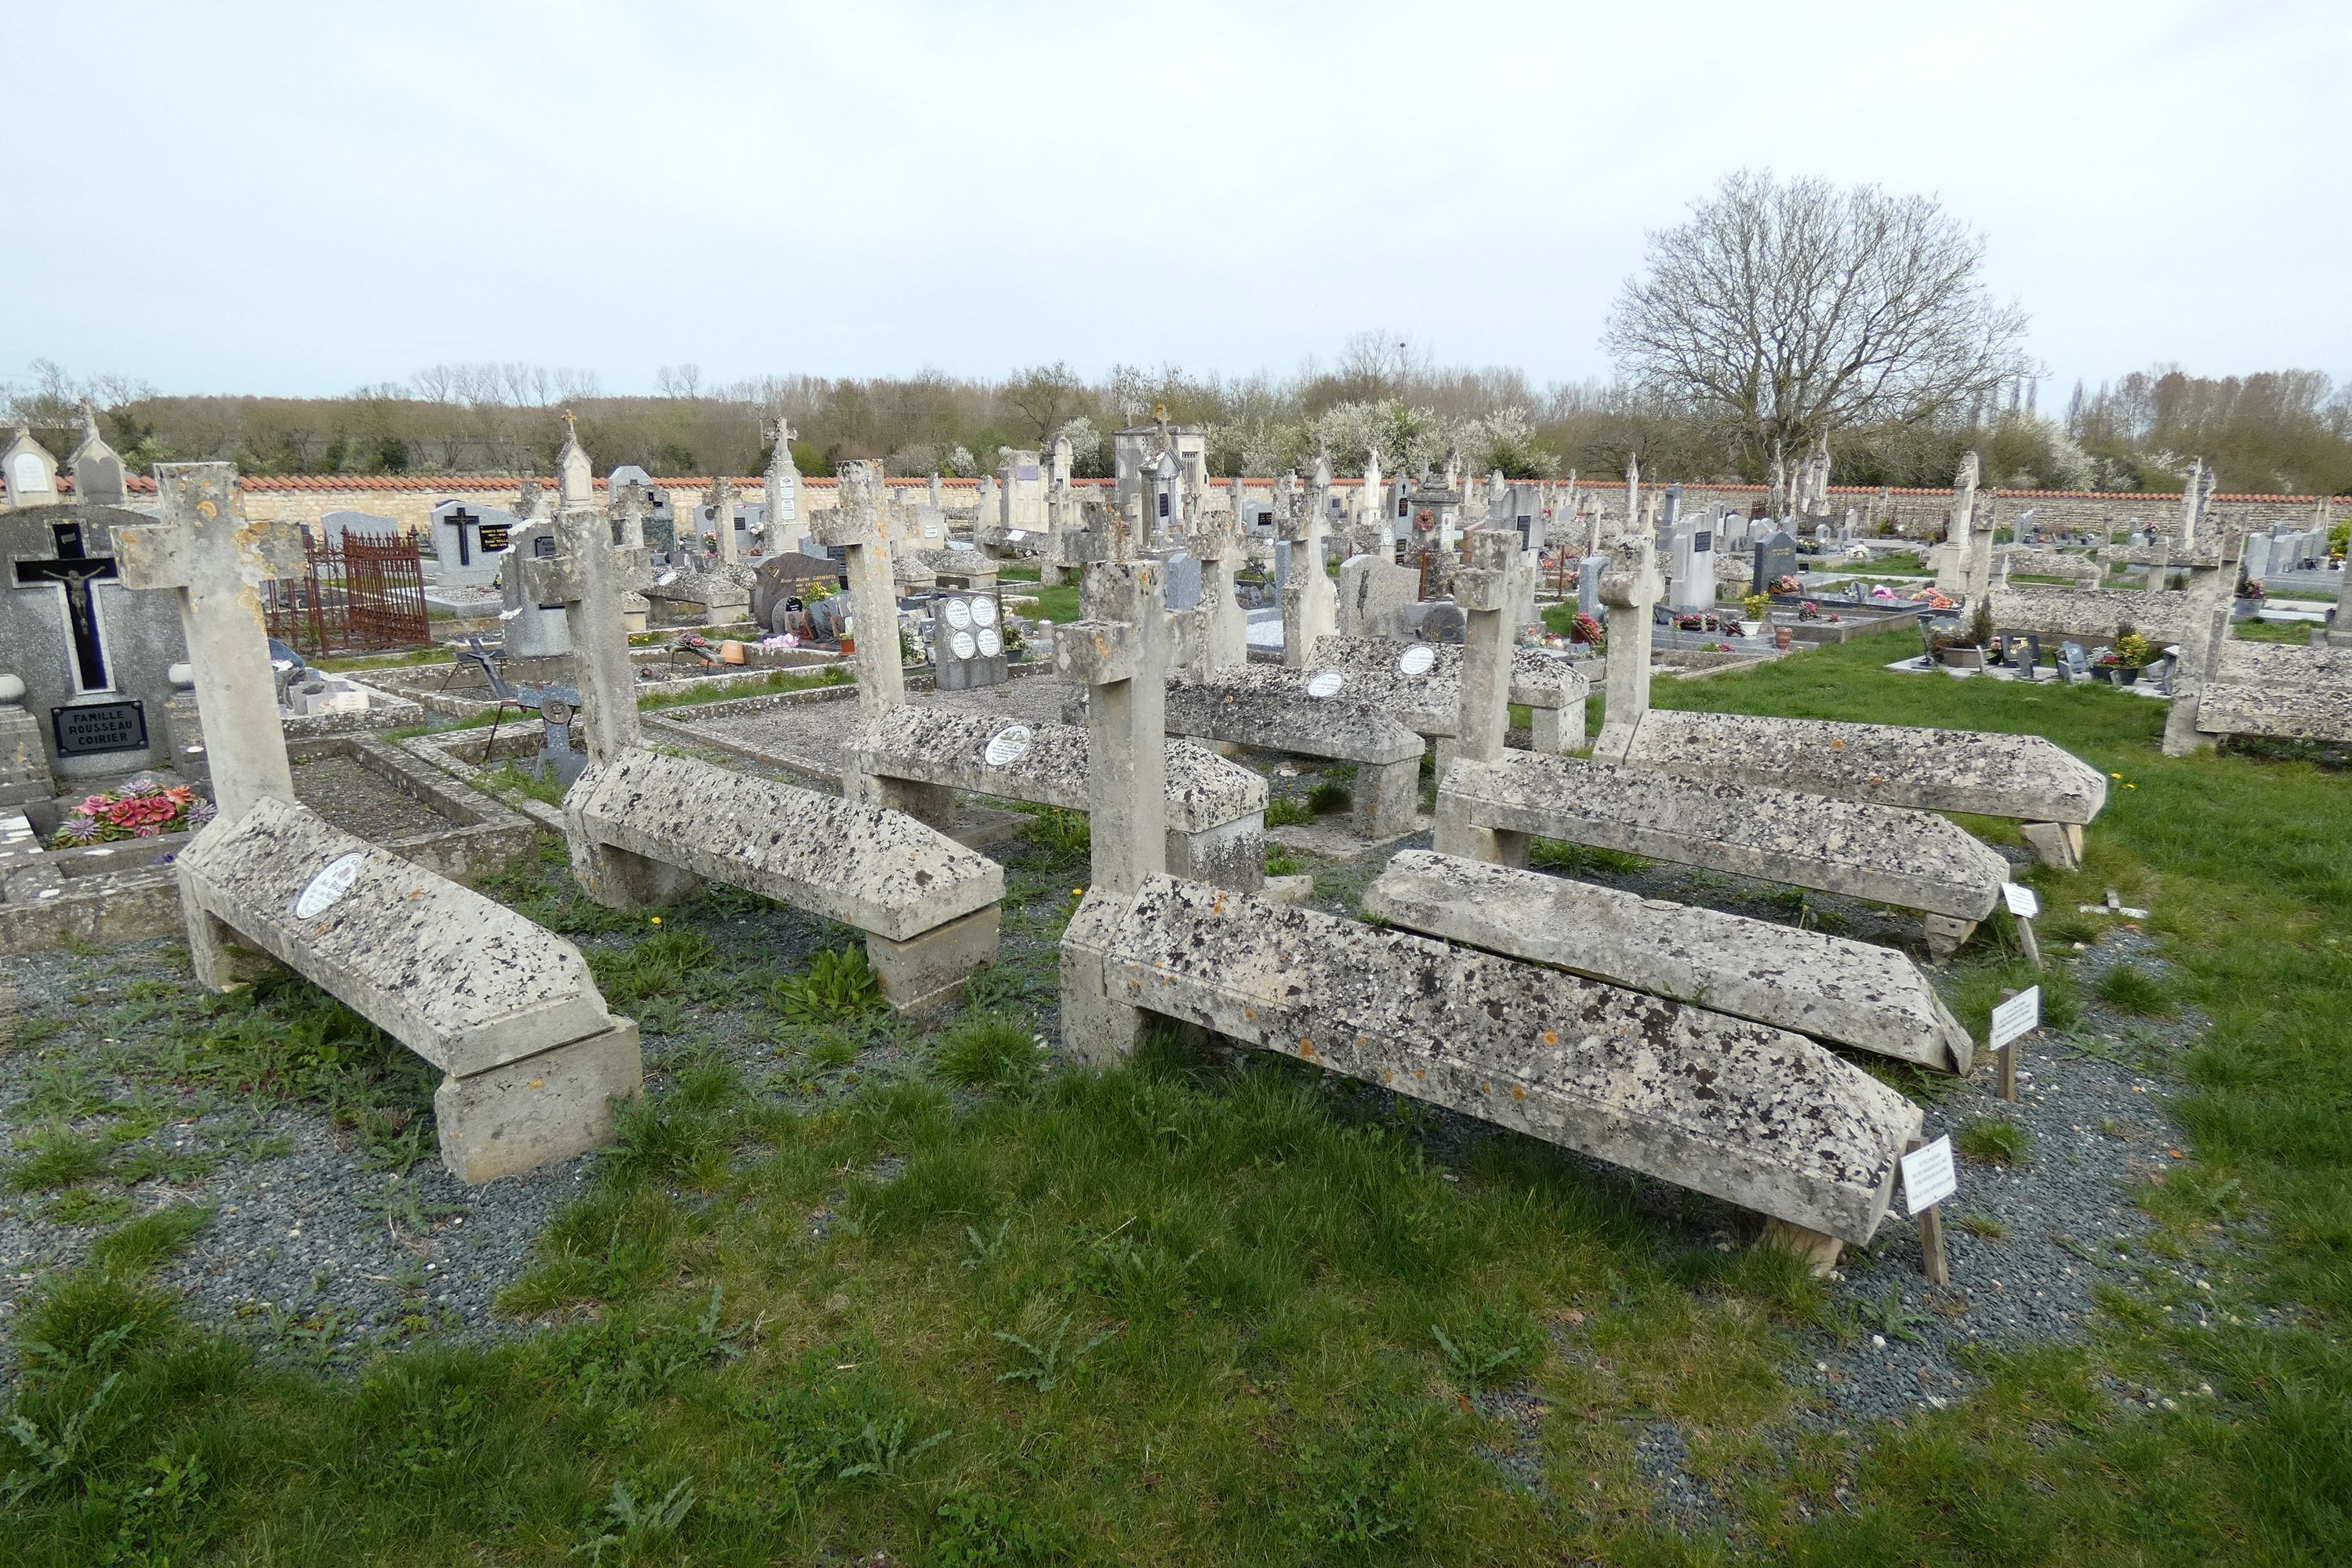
<point x="72" y="570"/>
<point x="218" y="562"/>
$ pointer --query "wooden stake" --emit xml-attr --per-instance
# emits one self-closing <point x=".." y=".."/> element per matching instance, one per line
<point x="2007" y="1088"/>
<point x="1933" y="1259"/>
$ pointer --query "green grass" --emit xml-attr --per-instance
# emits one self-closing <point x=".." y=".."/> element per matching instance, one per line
<point x="1187" y="1311"/>
<point x="2132" y="990"/>
<point x="512" y="778"/>
<point x="2295" y="634"/>
<point x="1058" y="604"/>
<point x="1995" y="1141"/>
<point x="775" y="681"/>
<point x="1288" y="811"/>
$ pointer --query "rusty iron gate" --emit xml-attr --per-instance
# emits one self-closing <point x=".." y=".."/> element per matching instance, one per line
<point x="359" y="593"/>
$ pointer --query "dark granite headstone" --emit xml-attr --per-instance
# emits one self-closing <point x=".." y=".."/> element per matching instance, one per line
<point x="1776" y="557"/>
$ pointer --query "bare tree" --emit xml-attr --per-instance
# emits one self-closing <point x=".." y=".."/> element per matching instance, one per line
<point x="1044" y="394"/>
<point x="1786" y="312"/>
<point x="679" y="380"/>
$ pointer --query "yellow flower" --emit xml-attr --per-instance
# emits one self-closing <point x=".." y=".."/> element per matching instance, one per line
<point x="1077" y="892"/>
<point x="2115" y="775"/>
<point x="2131" y="786"/>
<point x="657" y="919"/>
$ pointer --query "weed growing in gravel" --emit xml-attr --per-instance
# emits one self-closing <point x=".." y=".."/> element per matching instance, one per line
<point x="1993" y="1141"/>
<point x="1288" y="811"/>
<point x="662" y="965"/>
<point x="1329" y="797"/>
<point x="56" y="1156"/>
<point x="2133" y="990"/>
<point x="684" y="1135"/>
<point x="988" y="1052"/>
<point x="839" y="986"/>
<point x="1491" y="1345"/>
<point x="1982" y="1225"/>
<point x="1058" y="837"/>
<point x="150" y="1239"/>
<point x="1280" y="862"/>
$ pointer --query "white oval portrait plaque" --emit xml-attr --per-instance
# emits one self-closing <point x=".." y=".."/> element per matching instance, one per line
<point x="931" y="530"/>
<point x="963" y="645"/>
<point x="984" y="612"/>
<point x="957" y="613"/>
<point x="1325" y="683"/>
<point x="327" y="889"/>
<point x="1416" y="660"/>
<point x="1007" y="746"/>
<point x="991" y="644"/>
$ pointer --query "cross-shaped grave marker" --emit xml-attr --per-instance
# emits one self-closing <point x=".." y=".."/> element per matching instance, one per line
<point x="205" y="548"/>
<point x="1310" y="600"/>
<point x="1217" y="544"/>
<point x="587" y="575"/>
<point x="1629" y="589"/>
<point x="855" y="526"/>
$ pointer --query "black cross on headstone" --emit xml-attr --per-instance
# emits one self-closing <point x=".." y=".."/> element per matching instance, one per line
<point x="461" y="517"/>
<point x="75" y="570"/>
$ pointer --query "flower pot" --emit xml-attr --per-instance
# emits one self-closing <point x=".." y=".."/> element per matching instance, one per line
<point x="1963" y="658"/>
<point x="1751" y="629"/>
<point x="2127" y="675"/>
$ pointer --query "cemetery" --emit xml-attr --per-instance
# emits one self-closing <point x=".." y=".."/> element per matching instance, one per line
<point x="765" y="985"/>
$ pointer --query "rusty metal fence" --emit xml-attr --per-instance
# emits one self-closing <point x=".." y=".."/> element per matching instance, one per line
<point x="359" y="593"/>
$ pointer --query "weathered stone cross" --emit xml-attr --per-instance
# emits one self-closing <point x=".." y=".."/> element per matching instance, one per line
<point x="855" y="525"/>
<point x="204" y="548"/>
<point x="1310" y="600"/>
<point x="1629" y="588"/>
<point x="587" y="575"/>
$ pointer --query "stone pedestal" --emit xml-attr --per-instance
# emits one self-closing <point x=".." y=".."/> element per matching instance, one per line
<point x="23" y="764"/>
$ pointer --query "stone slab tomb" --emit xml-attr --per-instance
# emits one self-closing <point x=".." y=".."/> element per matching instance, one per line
<point x="505" y="1009"/>
<point x="1834" y="990"/>
<point x="1276" y="710"/>
<point x="1425" y="688"/>
<point x="2279" y="690"/>
<point x="1911" y="859"/>
<point x="2027" y="778"/>
<point x="644" y="827"/>
<point x="1754" y="1115"/>
<point x="919" y="757"/>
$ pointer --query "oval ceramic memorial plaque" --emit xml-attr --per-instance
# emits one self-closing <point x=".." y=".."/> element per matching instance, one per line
<point x="984" y="612"/>
<point x="959" y="613"/>
<point x="1325" y="683"/>
<point x="991" y="644"/>
<point x="932" y="529"/>
<point x="963" y="645"/>
<point x="1007" y="746"/>
<point x="326" y="890"/>
<point x="1416" y="660"/>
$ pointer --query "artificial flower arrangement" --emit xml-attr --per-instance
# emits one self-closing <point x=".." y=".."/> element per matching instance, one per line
<point x="145" y="808"/>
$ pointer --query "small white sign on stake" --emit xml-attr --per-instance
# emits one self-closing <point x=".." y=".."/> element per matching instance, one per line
<point x="2022" y="902"/>
<point x="1928" y="1175"/>
<point x="2020" y="1016"/>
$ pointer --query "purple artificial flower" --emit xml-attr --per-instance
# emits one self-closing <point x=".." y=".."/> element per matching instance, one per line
<point x="200" y="812"/>
<point x="79" y="830"/>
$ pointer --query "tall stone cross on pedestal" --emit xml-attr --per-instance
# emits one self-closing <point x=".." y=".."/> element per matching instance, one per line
<point x="1629" y="589"/>
<point x="1310" y="600"/>
<point x="785" y="530"/>
<point x="588" y="576"/>
<point x="218" y="561"/>
<point x="855" y="525"/>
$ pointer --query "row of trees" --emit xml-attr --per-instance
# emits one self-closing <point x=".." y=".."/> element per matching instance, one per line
<point x="1779" y="313"/>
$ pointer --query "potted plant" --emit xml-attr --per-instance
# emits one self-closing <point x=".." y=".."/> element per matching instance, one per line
<point x="1965" y="648"/>
<point x="1758" y="607"/>
<point x="2121" y="665"/>
<point x="1588" y="630"/>
<point x="2250" y="600"/>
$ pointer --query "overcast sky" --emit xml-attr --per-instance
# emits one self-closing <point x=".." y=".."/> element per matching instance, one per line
<point x="303" y="198"/>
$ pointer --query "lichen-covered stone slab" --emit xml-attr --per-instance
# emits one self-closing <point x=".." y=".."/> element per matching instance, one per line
<point x="1538" y="680"/>
<point x="949" y="746"/>
<point x="1846" y="993"/>
<point x="1913" y="859"/>
<point x="1270" y="710"/>
<point x="2023" y="776"/>
<point x="1757" y="1116"/>
<point x="2091" y="614"/>
<point x="2280" y="690"/>
<point x="461" y="980"/>
<point x="881" y="871"/>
